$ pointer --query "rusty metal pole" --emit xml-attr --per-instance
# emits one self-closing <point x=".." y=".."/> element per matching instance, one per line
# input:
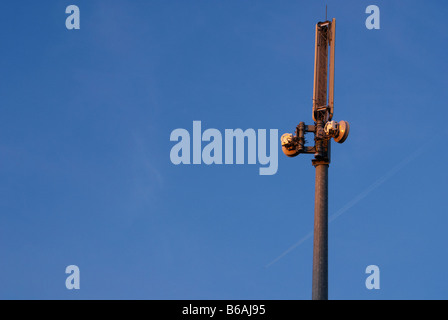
<point x="320" y="249"/>
<point x="324" y="130"/>
<point x="322" y="113"/>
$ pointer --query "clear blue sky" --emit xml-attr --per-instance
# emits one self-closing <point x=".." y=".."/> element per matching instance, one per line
<point x="86" y="177"/>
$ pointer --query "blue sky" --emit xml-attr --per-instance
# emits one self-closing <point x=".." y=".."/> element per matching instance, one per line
<point x="86" y="177"/>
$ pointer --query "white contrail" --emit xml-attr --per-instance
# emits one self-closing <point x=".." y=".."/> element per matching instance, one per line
<point x="354" y="201"/>
<point x="298" y="243"/>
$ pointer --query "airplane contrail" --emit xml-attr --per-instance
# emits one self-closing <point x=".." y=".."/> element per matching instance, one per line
<point x="354" y="201"/>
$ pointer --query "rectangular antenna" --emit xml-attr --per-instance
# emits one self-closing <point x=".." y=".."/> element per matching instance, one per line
<point x="331" y="85"/>
<point x="323" y="92"/>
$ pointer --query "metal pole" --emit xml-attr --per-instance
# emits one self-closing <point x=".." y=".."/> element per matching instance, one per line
<point x="320" y="249"/>
<point x="324" y="129"/>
